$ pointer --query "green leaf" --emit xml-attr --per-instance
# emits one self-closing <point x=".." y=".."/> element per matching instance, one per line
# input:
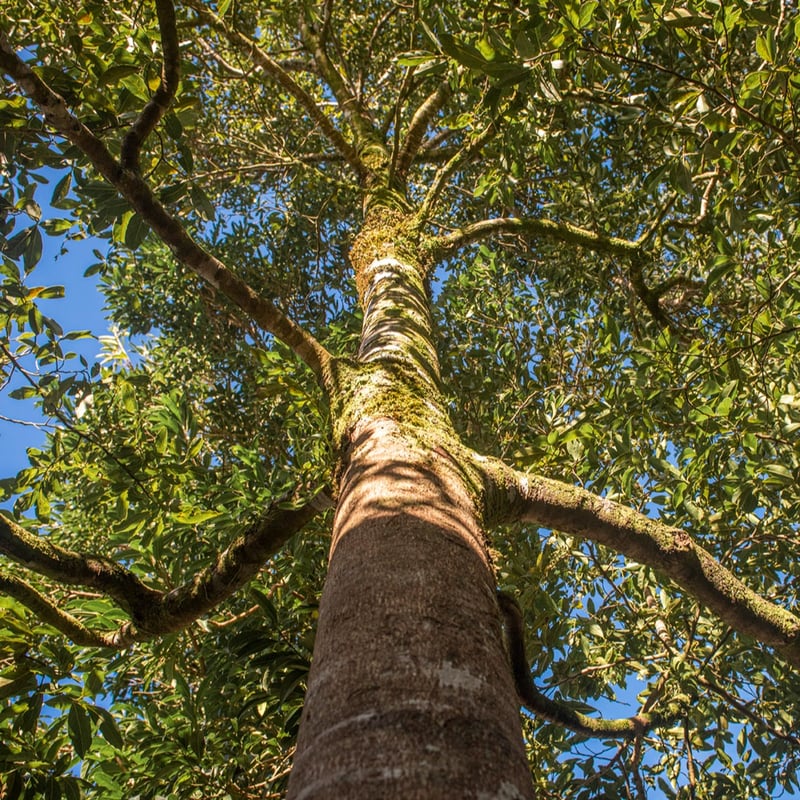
<point x="162" y="441"/>
<point x="765" y="46"/>
<point x="135" y="232"/>
<point x="79" y="726"/>
<point x="192" y="517"/>
<point x="55" y="227"/>
<point x="23" y="393"/>
<point x="173" y="127"/>
<point x="417" y="58"/>
<point x="783" y="473"/>
<point x="108" y="726"/>
<point x="127" y="395"/>
<point x="681" y="177"/>
<point x="463" y="53"/>
<point x="46" y="292"/>
<point x="33" y="249"/>
<point x="587" y="12"/>
<point x="33" y="210"/>
<point x="61" y="191"/>
<point x="202" y="205"/>
<point x="115" y="73"/>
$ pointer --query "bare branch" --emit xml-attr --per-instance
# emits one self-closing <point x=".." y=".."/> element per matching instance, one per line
<point x="161" y="100"/>
<point x="419" y="125"/>
<point x="136" y="191"/>
<point x="668" y="550"/>
<point x="559" y="713"/>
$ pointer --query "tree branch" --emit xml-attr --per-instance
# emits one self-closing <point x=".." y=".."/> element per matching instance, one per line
<point x="351" y="107"/>
<point x="572" y="234"/>
<point x="47" y="612"/>
<point x="418" y="126"/>
<point x="788" y="139"/>
<point x="284" y="79"/>
<point x="463" y="155"/>
<point x="40" y="555"/>
<point x="529" y="226"/>
<point x="152" y="612"/>
<point x="542" y="706"/>
<point x="548" y="503"/>
<point x="161" y="100"/>
<point x="137" y="192"/>
<point x="744" y="709"/>
<point x="235" y="566"/>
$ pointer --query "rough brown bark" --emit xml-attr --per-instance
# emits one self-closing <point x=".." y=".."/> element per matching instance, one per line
<point x="410" y="693"/>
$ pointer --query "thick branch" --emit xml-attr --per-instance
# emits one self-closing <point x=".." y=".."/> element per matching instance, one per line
<point x="232" y="569"/>
<point x="671" y="551"/>
<point x="134" y="189"/>
<point x="161" y="100"/>
<point x="284" y="79"/>
<point x="542" y="706"/>
<point x="418" y="126"/>
<point x="97" y="572"/>
<point x="558" y="231"/>
<point x="152" y="612"/>
<point x="47" y="612"/>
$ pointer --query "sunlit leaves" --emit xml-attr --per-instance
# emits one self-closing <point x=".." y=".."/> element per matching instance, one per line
<point x="628" y="118"/>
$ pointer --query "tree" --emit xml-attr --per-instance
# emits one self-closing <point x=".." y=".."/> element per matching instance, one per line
<point x="473" y="297"/>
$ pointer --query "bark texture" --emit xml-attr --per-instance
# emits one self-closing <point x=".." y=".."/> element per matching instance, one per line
<point x="410" y="693"/>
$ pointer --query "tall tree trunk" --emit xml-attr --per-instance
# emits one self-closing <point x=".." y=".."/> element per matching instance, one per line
<point x="410" y="694"/>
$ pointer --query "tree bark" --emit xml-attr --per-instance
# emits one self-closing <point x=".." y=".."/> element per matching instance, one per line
<point x="410" y="693"/>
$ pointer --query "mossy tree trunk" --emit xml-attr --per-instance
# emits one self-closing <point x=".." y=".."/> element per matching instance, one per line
<point x="410" y="694"/>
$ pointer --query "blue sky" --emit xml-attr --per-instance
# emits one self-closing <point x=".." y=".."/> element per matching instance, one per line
<point x="81" y="308"/>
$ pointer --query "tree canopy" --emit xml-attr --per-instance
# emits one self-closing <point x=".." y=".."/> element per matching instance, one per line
<point x="606" y="199"/>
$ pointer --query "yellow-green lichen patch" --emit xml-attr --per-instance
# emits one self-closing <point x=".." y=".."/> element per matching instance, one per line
<point x="387" y="233"/>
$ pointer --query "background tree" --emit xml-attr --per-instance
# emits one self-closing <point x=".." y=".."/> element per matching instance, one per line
<point x="518" y="274"/>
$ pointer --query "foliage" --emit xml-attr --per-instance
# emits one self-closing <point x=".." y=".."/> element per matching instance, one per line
<point x="654" y="365"/>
